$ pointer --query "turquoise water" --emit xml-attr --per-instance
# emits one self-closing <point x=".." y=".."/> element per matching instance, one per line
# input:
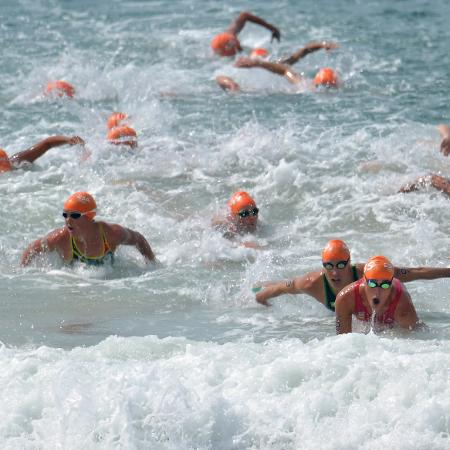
<point x="180" y="356"/>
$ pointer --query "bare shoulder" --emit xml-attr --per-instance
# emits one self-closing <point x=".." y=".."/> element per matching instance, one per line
<point x="346" y="293"/>
<point x="57" y="237"/>
<point x="115" y="233"/>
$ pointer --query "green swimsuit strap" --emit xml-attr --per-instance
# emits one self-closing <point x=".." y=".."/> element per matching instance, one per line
<point x="330" y="297"/>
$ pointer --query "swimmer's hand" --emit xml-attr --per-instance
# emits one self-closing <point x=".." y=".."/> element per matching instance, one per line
<point x="275" y="34"/>
<point x="260" y="297"/>
<point x="445" y="146"/>
<point x="329" y="45"/>
<point x="409" y="187"/>
<point x="76" y="140"/>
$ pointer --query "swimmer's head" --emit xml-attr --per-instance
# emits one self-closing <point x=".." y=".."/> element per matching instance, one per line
<point x="326" y="77"/>
<point x="239" y="201"/>
<point x="5" y="163"/>
<point x="116" y="119"/>
<point x="243" y="212"/>
<point x="379" y="268"/>
<point x="60" y="88"/>
<point x="123" y="135"/>
<point x="81" y="202"/>
<point x="226" y="44"/>
<point x="335" y="250"/>
<point x="259" y="52"/>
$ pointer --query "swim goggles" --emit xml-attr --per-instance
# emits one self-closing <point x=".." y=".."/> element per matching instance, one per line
<point x="72" y="215"/>
<point x="338" y="265"/>
<point x="383" y="284"/>
<point x="248" y="212"/>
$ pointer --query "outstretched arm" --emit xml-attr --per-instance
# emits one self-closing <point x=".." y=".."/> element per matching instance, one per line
<point x="280" y="69"/>
<point x="405" y="274"/>
<point x="444" y="131"/>
<point x="306" y="50"/>
<point x="438" y="182"/>
<point x="227" y="83"/>
<point x="32" y="153"/>
<point x="238" y="24"/>
<point x="275" y="289"/>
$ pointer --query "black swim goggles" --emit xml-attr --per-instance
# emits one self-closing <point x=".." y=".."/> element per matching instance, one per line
<point x="383" y="284"/>
<point x="248" y="212"/>
<point x="72" y="215"/>
<point x="338" y="265"/>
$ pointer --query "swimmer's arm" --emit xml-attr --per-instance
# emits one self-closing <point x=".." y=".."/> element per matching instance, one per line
<point x="406" y="315"/>
<point x="238" y="24"/>
<point x="405" y="274"/>
<point x="131" y="237"/>
<point x="306" y="50"/>
<point x="277" y="68"/>
<point x="227" y="83"/>
<point x="275" y="289"/>
<point x="34" y="152"/>
<point x="344" y="311"/>
<point x="41" y="246"/>
<point x="444" y="131"/>
<point x="438" y="182"/>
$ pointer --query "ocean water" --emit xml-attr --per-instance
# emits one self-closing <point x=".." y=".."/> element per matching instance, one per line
<point x="180" y="356"/>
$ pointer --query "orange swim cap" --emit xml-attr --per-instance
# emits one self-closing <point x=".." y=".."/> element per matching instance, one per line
<point x="259" y="53"/>
<point x="82" y="202"/>
<point x="225" y="44"/>
<point x="326" y="77"/>
<point x="335" y="249"/>
<point x="240" y="200"/>
<point x="378" y="268"/>
<point x="115" y="119"/>
<point x="60" y="88"/>
<point x="5" y="163"/>
<point x="123" y="135"/>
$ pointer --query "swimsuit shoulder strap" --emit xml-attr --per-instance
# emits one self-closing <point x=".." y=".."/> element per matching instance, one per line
<point x="106" y="246"/>
<point x="355" y="273"/>
<point x="330" y="297"/>
<point x="360" y="310"/>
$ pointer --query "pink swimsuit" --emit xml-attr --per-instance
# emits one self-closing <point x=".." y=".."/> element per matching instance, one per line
<point x="387" y="317"/>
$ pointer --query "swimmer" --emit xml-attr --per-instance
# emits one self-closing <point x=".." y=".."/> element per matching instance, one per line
<point x="123" y="135"/>
<point x="432" y="180"/>
<point x="337" y="272"/>
<point x="85" y="240"/>
<point x="444" y="131"/>
<point x="379" y="292"/>
<point x="116" y="119"/>
<point x="242" y="218"/>
<point x="34" y="152"/>
<point x="227" y="43"/>
<point x="59" y="88"/>
<point x="325" y="77"/>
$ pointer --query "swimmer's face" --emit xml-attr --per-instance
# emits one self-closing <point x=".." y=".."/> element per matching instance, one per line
<point x="378" y="292"/>
<point x="336" y="271"/>
<point x="247" y="219"/>
<point x="75" y="221"/>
